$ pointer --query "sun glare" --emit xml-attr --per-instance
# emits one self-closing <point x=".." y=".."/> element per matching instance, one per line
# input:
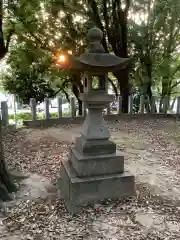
<point x="62" y="58"/>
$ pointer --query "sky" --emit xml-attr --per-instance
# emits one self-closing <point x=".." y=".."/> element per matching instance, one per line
<point x="3" y="65"/>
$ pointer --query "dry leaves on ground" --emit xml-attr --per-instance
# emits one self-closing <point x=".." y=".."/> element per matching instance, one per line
<point x="48" y="218"/>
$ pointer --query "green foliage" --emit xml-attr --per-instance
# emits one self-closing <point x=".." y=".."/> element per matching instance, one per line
<point x="154" y="43"/>
<point x="45" y="29"/>
<point x="60" y="27"/>
<point x="28" y="116"/>
<point x="27" y="86"/>
<point x="19" y="116"/>
<point x="30" y="74"/>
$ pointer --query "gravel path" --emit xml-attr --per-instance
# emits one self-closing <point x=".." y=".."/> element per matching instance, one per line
<point x="152" y="153"/>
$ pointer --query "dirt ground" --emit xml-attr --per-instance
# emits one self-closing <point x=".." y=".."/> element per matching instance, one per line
<point x="152" y="153"/>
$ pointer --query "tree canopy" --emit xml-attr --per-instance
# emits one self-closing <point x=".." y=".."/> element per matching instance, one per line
<point x="146" y="31"/>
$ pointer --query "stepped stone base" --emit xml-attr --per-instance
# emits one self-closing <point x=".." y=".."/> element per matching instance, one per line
<point x="80" y="191"/>
<point x="96" y="147"/>
<point x="94" y="165"/>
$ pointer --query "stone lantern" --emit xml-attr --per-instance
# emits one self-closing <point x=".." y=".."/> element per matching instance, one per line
<point x="94" y="169"/>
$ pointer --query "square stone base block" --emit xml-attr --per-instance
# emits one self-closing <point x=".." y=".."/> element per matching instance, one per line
<point x="94" y="147"/>
<point x="94" y="165"/>
<point x="80" y="191"/>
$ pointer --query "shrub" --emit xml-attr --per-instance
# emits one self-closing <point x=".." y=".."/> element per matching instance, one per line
<point x="24" y="116"/>
<point x="28" y="116"/>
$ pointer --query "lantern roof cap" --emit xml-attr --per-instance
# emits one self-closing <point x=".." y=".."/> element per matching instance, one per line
<point x="96" y="58"/>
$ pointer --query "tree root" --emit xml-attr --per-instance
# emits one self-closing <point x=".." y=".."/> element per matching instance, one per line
<point x="4" y="194"/>
<point x="7" y="185"/>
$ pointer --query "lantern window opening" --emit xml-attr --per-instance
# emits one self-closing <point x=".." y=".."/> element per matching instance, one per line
<point x="99" y="82"/>
<point x="95" y="83"/>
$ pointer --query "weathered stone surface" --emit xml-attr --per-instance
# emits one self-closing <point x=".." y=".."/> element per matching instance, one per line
<point x="93" y="165"/>
<point x="80" y="191"/>
<point x="95" y="127"/>
<point x="94" y="147"/>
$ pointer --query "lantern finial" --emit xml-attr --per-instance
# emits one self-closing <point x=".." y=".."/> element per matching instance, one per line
<point x="95" y="36"/>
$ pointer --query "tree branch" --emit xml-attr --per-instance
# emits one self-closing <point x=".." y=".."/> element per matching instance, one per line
<point x="114" y="87"/>
<point x="175" y="71"/>
<point x="97" y="19"/>
<point x="175" y="85"/>
<point x="11" y="32"/>
<point x="128" y="2"/>
<point x="115" y="28"/>
<point x="106" y="20"/>
<point x="63" y="90"/>
<point x="66" y="94"/>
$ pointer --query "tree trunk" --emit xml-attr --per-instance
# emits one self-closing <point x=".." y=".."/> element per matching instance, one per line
<point x="165" y="92"/>
<point x="123" y="81"/>
<point x="75" y="90"/>
<point x="149" y="91"/>
<point x="6" y="184"/>
<point x="149" y="96"/>
<point x="149" y="83"/>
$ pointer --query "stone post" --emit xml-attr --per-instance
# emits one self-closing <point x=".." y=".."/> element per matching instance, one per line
<point x="84" y="109"/>
<point x="33" y="108"/>
<point x="59" y="107"/>
<point x="14" y="106"/>
<point x="165" y="104"/>
<point x="18" y="103"/>
<point x="46" y="108"/>
<point x="119" y="104"/>
<point x="130" y="104"/>
<point x="142" y="104"/>
<point x="73" y="107"/>
<point x="178" y="106"/>
<point x="4" y="113"/>
<point x="153" y="104"/>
